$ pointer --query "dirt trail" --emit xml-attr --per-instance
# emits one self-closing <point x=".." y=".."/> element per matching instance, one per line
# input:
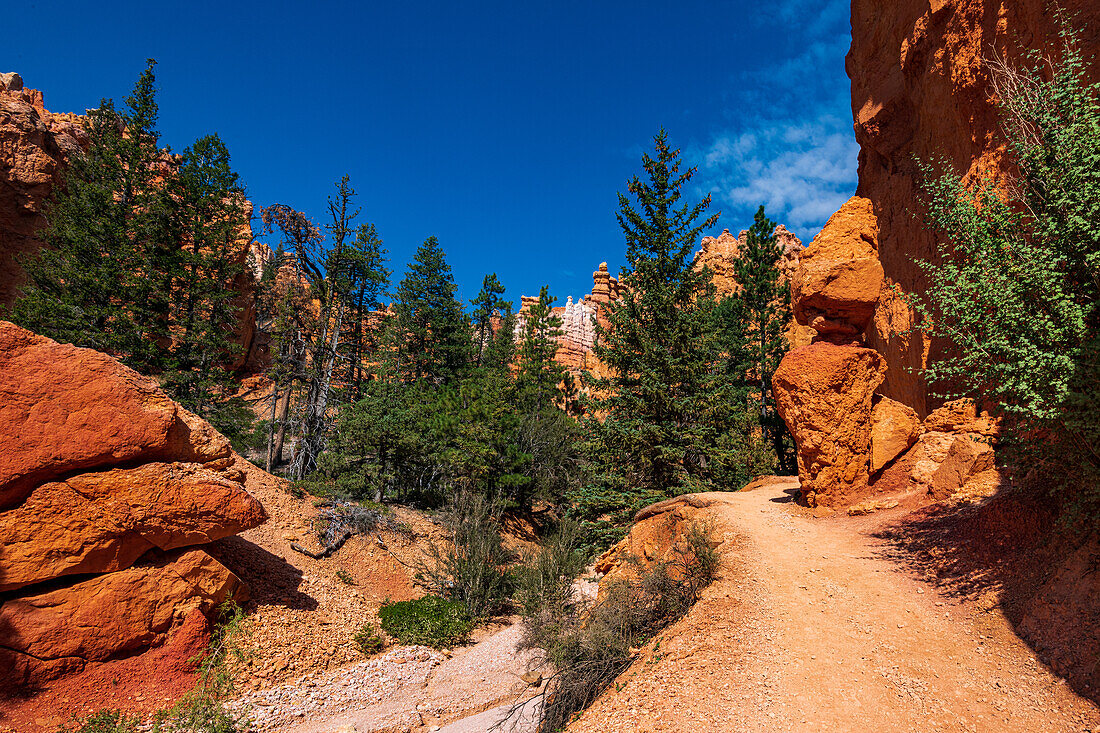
<point x="812" y="628"/>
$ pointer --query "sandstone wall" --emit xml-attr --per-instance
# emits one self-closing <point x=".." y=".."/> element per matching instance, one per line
<point x="919" y="91"/>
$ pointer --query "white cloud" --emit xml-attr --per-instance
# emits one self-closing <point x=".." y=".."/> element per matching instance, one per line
<point x="797" y="157"/>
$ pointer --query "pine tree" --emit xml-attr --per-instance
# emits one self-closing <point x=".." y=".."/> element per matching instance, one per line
<point x="485" y="306"/>
<point x="367" y="280"/>
<point x="660" y="347"/>
<point x="539" y="374"/>
<point x="101" y="279"/>
<point x="765" y="303"/>
<point x="436" y="343"/>
<point x="209" y="220"/>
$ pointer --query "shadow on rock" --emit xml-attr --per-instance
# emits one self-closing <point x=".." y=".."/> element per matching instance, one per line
<point x="270" y="578"/>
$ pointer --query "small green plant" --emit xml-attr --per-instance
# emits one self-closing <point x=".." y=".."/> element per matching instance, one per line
<point x="430" y="621"/>
<point x="104" y="721"/>
<point x="545" y="578"/>
<point x="345" y="577"/>
<point x="367" y="640"/>
<point x="201" y="710"/>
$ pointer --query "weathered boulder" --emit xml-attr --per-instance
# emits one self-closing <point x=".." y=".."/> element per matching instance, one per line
<point x="894" y="430"/>
<point x="57" y="631"/>
<point x="823" y="393"/>
<point x="103" y="521"/>
<point x="836" y="285"/>
<point x="65" y="409"/>
<point x="100" y="475"/>
<point x="966" y="458"/>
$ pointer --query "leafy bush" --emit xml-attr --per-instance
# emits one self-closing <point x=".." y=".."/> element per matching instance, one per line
<point x="545" y="578"/>
<point x="472" y="567"/>
<point x="430" y="621"/>
<point x="104" y="721"/>
<point x="367" y="640"/>
<point x="1016" y="283"/>
<point x="591" y="645"/>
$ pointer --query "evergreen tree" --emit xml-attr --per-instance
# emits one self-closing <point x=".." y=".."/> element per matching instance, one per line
<point x="367" y="280"/>
<point x="765" y="306"/>
<point x="660" y="347"/>
<point x="436" y="343"/>
<point x="486" y="305"/>
<point x="539" y="374"/>
<point x="100" y="279"/>
<point x="209" y="220"/>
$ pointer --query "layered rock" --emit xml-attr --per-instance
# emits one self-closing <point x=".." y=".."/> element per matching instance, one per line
<point x="100" y="475"/>
<point x="835" y="286"/>
<point x="578" y="321"/>
<point x="54" y="632"/>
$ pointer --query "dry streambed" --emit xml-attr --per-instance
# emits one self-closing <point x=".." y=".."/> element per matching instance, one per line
<point x="405" y="689"/>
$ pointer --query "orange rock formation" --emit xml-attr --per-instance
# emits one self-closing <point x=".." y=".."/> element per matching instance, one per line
<point x="103" y="481"/>
<point x="920" y="91"/>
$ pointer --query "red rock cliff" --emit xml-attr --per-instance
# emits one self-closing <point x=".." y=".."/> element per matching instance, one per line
<point x="920" y="91"/>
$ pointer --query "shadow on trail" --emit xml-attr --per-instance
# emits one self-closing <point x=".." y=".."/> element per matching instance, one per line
<point x="1010" y="553"/>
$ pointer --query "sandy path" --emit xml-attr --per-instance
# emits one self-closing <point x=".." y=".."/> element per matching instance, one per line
<point x="812" y="629"/>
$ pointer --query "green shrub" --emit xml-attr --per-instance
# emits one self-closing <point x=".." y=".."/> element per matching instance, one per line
<point x="429" y="621"/>
<point x="545" y="578"/>
<point x="1016" y="282"/>
<point x="472" y="567"/>
<point x="591" y="645"/>
<point x="367" y="640"/>
<point x="105" y="721"/>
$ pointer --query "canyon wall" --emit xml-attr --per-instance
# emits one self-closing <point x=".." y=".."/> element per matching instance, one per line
<point x="108" y="491"/>
<point x="920" y="91"/>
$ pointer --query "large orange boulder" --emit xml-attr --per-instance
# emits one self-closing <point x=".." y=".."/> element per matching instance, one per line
<point x="836" y="286"/>
<point x="823" y="393"/>
<point x="65" y="409"/>
<point x="101" y="474"/>
<point x="103" y="521"/>
<point x="57" y="631"/>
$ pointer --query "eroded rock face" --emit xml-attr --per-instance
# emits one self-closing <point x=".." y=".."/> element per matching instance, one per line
<point x="835" y="287"/>
<point x="720" y="253"/>
<point x="894" y="430"/>
<point x="920" y="91"/>
<point x="100" y="474"/>
<point x="823" y="393"/>
<point x="58" y="631"/>
<point x="34" y="148"/>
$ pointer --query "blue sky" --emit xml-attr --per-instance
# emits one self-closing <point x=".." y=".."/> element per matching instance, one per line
<point x="505" y="129"/>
